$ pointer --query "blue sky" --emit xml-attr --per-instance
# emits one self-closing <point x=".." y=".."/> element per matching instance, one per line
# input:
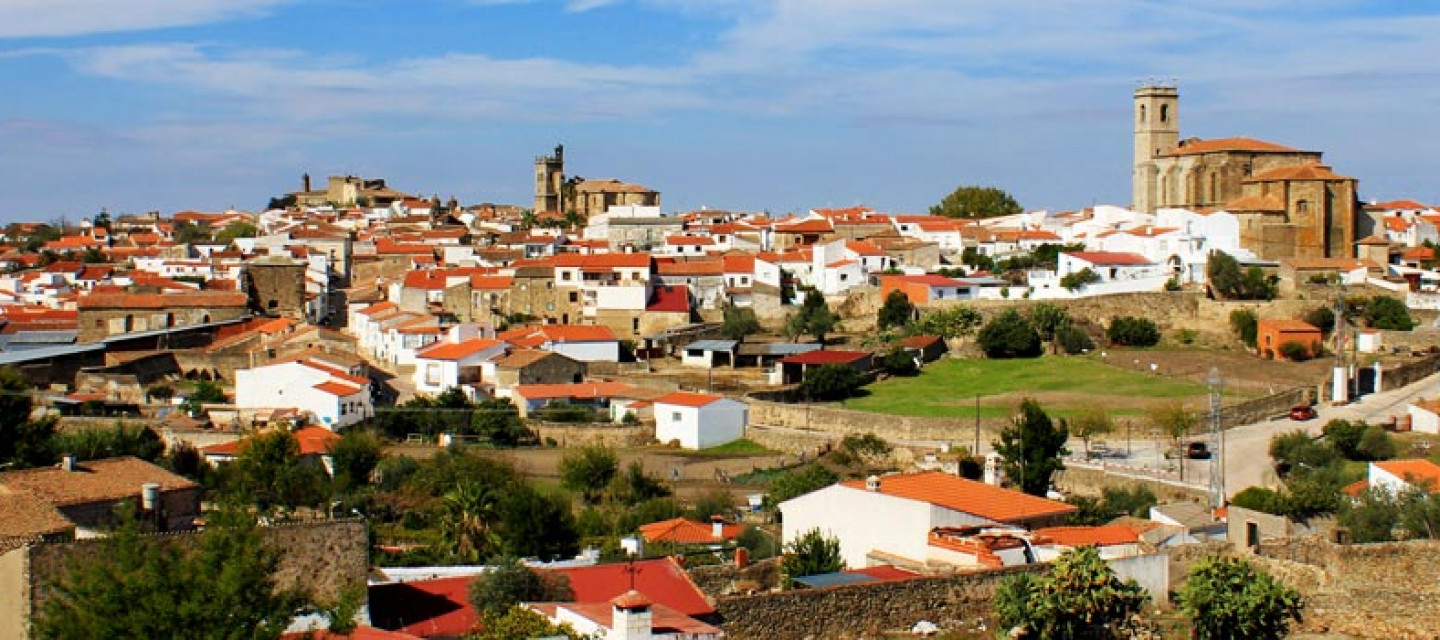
<point x="772" y="105"/>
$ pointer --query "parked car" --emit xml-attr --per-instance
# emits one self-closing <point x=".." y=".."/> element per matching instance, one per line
<point x="1191" y="450"/>
<point x="1302" y="412"/>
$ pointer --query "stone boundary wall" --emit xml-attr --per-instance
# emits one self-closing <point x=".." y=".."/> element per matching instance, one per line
<point x="1384" y="590"/>
<point x="579" y="435"/>
<point x="790" y="441"/>
<point x="1407" y="374"/>
<point x="720" y="580"/>
<point x="865" y="610"/>
<point x="842" y="422"/>
<point x="1264" y="408"/>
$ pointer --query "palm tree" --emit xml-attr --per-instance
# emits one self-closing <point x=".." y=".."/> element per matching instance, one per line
<point x="467" y="526"/>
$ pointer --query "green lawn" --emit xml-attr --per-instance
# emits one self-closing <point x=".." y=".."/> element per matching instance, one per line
<point x="736" y="448"/>
<point x="1063" y="385"/>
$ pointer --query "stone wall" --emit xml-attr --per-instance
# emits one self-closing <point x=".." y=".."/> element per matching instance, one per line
<point x="1266" y="407"/>
<point x="720" y="580"/>
<point x="842" y="422"/>
<point x="790" y="441"/>
<point x="579" y="435"/>
<point x="321" y="559"/>
<point x="1408" y="373"/>
<point x="865" y="610"/>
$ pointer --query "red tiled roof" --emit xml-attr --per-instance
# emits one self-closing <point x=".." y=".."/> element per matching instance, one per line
<point x="425" y="608"/>
<point x="1414" y="471"/>
<point x="687" y="399"/>
<point x="689" y="241"/>
<point x="884" y="573"/>
<point x="337" y="389"/>
<point x="1308" y="171"/>
<point x="1110" y="258"/>
<point x="162" y="300"/>
<point x="671" y="298"/>
<point x="92" y="481"/>
<point x="662" y="580"/>
<point x="1100" y="536"/>
<point x="739" y="263"/>
<point x="824" y="357"/>
<point x="1286" y="325"/>
<point x="927" y="279"/>
<point x="1194" y="147"/>
<point x="455" y="350"/>
<point x="1406" y="205"/>
<point x="577" y="333"/>
<point x="967" y="496"/>
<point x="687" y="531"/>
<point x="603" y="260"/>
<point x="689" y="267"/>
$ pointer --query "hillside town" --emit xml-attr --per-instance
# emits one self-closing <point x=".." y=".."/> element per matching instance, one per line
<point x="590" y="415"/>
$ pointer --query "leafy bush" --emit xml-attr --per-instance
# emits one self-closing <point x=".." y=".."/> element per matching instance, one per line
<point x="1375" y="444"/>
<point x="897" y="311"/>
<point x="1385" y="312"/>
<point x="1245" y="325"/>
<point x="1080" y="597"/>
<point x="1295" y="351"/>
<point x="830" y="382"/>
<point x="566" y="412"/>
<point x="1344" y="436"/>
<point x="1321" y="318"/>
<point x="810" y="554"/>
<point x="797" y="482"/>
<point x="1073" y="340"/>
<point x="899" y="362"/>
<point x="1133" y="332"/>
<point x="1009" y="335"/>
<point x="1077" y="280"/>
<point x="510" y="583"/>
<point x="1227" y="597"/>
<point x="1259" y="499"/>
<point x="1173" y="284"/>
<point x="1297" y="449"/>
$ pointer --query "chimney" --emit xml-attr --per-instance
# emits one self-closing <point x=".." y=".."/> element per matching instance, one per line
<point x="994" y="474"/>
<point x="67" y="462"/>
<point x="717" y="527"/>
<point x="630" y="617"/>
<point x="872" y="484"/>
<point x="742" y="558"/>
<point x="149" y="497"/>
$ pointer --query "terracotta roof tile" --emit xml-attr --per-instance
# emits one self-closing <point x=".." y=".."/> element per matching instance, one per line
<point x="968" y="496"/>
<point x="686" y="399"/>
<point x="93" y="481"/>
<point x="1214" y="145"/>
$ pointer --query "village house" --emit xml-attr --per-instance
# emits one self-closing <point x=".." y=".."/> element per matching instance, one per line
<point x="1272" y="334"/>
<point x="699" y="421"/>
<point x="335" y="398"/>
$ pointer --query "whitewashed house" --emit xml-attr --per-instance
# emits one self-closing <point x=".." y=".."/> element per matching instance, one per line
<point x="335" y="397"/>
<point x="455" y="361"/>
<point x="698" y="420"/>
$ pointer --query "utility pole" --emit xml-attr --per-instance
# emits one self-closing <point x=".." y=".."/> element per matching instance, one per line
<point x="976" y="450"/>
<point x="1217" y="436"/>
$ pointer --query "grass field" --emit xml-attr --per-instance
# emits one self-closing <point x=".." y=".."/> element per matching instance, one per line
<point x="1063" y="385"/>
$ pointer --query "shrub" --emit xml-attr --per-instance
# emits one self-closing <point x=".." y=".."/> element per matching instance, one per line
<point x="897" y="312"/>
<point x="1133" y="332"/>
<point x="1322" y="318"/>
<point x="1245" y="325"/>
<point x="1385" y="312"/>
<point x="1009" y="335"/>
<point x="830" y="382"/>
<point x="899" y="362"/>
<point x="1227" y="597"/>
<point x="1375" y="444"/>
<point x="1345" y="437"/>
<point x="1173" y="284"/>
<point x="1077" y="280"/>
<point x="1073" y="340"/>
<point x="1295" y="351"/>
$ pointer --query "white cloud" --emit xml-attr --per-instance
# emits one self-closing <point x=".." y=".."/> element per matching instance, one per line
<point x="50" y="18"/>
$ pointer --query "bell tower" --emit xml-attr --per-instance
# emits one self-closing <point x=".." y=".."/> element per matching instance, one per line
<point x="1157" y="131"/>
<point x="550" y="181"/>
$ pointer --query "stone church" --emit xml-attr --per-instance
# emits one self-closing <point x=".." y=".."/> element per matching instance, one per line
<point x="1289" y="204"/>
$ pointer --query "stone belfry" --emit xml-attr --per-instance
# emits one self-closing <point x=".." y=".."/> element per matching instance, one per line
<point x="1157" y="132"/>
<point x="550" y="181"/>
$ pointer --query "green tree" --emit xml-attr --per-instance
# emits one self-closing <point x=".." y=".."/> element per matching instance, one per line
<point x="1295" y="351"/>
<point x="1372" y="517"/>
<point x="138" y="586"/>
<point x="536" y="525"/>
<point x="739" y="322"/>
<point x="1385" y="312"/>
<point x="1245" y="325"/>
<point x="186" y="232"/>
<point x="899" y="362"/>
<point x="1227" y="598"/>
<point x="973" y="201"/>
<point x="1133" y="332"/>
<point x="1077" y="280"/>
<point x="1091" y="424"/>
<point x="120" y="440"/>
<point x="1080" y="597"/>
<point x="634" y="486"/>
<point x="1032" y="446"/>
<point x="797" y="482"/>
<point x="949" y="323"/>
<point x="1344" y="436"/>
<point x="1176" y="420"/>
<point x="896" y="312"/>
<point x="1073" y="340"/>
<point x="814" y="317"/>
<point x="23" y="442"/>
<point x="1321" y="318"/>
<point x="588" y="470"/>
<point x="1229" y="281"/>
<point x="1375" y="444"/>
<point x="830" y="382"/>
<point x="1295" y="450"/>
<point x="270" y="472"/>
<point x="509" y="582"/>
<point x="498" y="419"/>
<point x="236" y="230"/>
<point x="1049" y="320"/>
<point x="354" y="458"/>
<point x="1009" y="335"/>
<point x="519" y="622"/>
<point x="811" y="553"/>
<point x="205" y="392"/>
<point x="470" y="513"/>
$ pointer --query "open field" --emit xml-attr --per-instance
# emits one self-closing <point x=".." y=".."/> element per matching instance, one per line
<point x="1063" y="385"/>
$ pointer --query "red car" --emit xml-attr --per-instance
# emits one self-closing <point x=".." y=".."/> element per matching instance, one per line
<point x="1302" y="412"/>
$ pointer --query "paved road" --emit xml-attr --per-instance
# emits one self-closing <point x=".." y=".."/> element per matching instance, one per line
<point x="1247" y="448"/>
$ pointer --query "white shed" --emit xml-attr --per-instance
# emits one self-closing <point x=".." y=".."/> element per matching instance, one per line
<point x="698" y="420"/>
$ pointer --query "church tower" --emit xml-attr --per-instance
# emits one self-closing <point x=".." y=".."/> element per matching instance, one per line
<point x="550" y="181"/>
<point x="1157" y="131"/>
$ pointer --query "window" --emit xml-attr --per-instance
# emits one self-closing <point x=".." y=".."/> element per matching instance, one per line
<point x="432" y="373"/>
<point x="635" y="325"/>
<point x="1164" y="113"/>
<point x="675" y="416"/>
<point x="574" y="296"/>
<point x="565" y="275"/>
<point x="1142" y="114"/>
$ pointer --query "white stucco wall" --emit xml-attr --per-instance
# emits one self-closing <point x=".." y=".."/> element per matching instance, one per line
<point x="865" y="521"/>
<point x="712" y="425"/>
